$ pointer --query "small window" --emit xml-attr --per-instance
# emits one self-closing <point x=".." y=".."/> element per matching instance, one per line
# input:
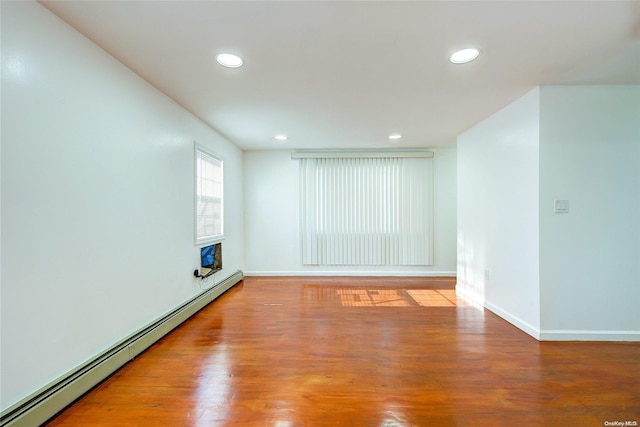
<point x="209" y="197"/>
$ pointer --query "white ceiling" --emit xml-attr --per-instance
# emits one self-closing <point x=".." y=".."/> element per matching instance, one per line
<point x="337" y="74"/>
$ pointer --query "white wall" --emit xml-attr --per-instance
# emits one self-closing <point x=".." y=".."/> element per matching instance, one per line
<point x="272" y="221"/>
<point x="573" y="276"/>
<point x="590" y="257"/>
<point x="498" y="213"/>
<point x="97" y="201"/>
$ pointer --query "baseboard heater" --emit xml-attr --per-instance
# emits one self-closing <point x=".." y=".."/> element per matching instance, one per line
<point x="51" y="399"/>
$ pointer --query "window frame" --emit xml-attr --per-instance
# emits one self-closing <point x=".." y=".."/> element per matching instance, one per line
<point x="202" y="151"/>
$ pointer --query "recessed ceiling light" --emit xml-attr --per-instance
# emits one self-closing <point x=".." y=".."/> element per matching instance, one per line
<point x="281" y="137"/>
<point x="229" y="60"/>
<point x="395" y="136"/>
<point x="465" y="55"/>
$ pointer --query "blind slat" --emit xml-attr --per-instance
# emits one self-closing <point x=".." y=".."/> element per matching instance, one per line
<point x="209" y="197"/>
<point x="366" y="211"/>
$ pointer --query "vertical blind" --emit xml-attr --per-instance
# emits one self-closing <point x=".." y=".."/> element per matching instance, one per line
<point x="366" y="211"/>
<point x="208" y="197"/>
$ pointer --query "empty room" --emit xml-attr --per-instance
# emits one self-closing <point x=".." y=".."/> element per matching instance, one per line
<point x="320" y="213"/>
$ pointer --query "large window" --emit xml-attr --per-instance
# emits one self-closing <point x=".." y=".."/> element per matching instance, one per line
<point x="367" y="210"/>
<point x="209" y="197"/>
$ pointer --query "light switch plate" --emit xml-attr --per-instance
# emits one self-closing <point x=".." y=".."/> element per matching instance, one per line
<point x="561" y="206"/>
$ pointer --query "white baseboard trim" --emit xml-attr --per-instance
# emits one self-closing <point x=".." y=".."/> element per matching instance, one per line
<point x="43" y="404"/>
<point x="306" y="273"/>
<point x="514" y="320"/>
<point x="570" y="335"/>
<point x="563" y="335"/>
<point x="470" y="294"/>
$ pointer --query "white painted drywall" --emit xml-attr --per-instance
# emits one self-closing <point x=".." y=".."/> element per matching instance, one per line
<point x="97" y="201"/>
<point x="498" y="213"/>
<point x="590" y="257"/>
<point x="272" y="221"/>
<point x="558" y="276"/>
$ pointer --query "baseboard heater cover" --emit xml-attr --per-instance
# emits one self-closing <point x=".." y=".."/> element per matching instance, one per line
<point x="51" y="399"/>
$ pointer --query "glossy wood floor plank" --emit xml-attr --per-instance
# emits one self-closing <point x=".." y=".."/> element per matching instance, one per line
<point x="361" y="352"/>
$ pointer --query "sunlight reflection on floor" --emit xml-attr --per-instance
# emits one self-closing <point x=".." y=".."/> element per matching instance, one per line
<point x="383" y="297"/>
<point x="375" y="298"/>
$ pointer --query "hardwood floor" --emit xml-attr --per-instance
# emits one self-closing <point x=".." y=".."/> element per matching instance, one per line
<point x="361" y="352"/>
